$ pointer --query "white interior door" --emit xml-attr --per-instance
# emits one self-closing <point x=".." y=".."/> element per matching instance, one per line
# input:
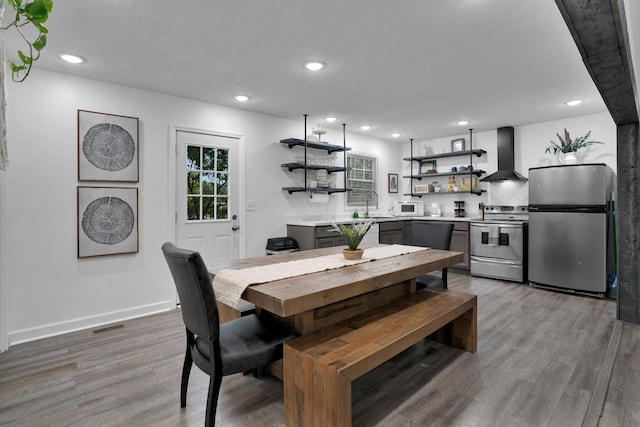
<point x="207" y="195"/>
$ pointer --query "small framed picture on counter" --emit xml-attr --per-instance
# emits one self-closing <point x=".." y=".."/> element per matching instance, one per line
<point x="457" y="145"/>
<point x="393" y="182"/>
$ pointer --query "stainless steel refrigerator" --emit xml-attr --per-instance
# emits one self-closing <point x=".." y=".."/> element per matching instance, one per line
<point x="569" y="240"/>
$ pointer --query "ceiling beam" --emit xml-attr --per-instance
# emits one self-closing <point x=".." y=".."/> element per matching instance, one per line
<point x="599" y="30"/>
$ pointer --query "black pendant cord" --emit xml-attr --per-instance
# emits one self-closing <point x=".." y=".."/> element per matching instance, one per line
<point x="305" y="152"/>
<point x="411" y="168"/>
<point x="344" y="155"/>
<point x="471" y="160"/>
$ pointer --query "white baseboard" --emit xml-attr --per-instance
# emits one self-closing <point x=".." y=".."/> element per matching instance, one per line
<point x="53" y="329"/>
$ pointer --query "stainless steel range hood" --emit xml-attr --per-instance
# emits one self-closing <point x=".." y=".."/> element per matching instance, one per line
<point x="506" y="171"/>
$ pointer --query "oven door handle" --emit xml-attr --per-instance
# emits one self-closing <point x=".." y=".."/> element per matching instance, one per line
<point x="495" y="260"/>
<point x="501" y="225"/>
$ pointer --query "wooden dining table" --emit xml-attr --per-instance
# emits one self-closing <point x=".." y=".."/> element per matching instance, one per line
<point x="317" y="300"/>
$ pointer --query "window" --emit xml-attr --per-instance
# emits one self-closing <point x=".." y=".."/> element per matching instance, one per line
<point x="361" y="178"/>
<point x="207" y="183"/>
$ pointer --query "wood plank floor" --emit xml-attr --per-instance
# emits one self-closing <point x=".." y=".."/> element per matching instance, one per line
<point x="539" y="354"/>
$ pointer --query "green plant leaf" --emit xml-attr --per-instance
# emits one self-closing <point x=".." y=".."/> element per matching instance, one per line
<point x="36" y="12"/>
<point x="15" y="68"/>
<point x="15" y="3"/>
<point x="24" y="58"/>
<point x="40" y="27"/>
<point x="40" y="43"/>
<point x="48" y="4"/>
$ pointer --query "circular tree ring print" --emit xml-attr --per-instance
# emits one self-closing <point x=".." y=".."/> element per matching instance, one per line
<point x="108" y="146"/>
<point x="108" y="220"/>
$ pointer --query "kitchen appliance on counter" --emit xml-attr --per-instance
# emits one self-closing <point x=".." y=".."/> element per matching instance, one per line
<point x="498" y="243"/>
<point x="569" y="209"/>
<point x="408" y="208"/>
<point x="281" y="245"/>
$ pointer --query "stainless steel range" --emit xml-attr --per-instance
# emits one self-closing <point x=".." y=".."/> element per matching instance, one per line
<point x="499" y="243"/>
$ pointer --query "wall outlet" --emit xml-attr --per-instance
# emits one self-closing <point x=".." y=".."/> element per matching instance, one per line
<point x="250" y="205"/>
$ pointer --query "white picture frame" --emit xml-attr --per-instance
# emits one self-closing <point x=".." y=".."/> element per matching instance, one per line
<point x="107" y="147"/>
<point x="107" y="221"/>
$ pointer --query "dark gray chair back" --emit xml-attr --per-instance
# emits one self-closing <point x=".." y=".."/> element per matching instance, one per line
<point x="432" y="234"/>
<point x="193" y="283"/>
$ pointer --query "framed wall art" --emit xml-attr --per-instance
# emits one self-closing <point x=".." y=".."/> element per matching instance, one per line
<point x="393" y="182"/>
<point x="107" y="221"/>
<point x="428" y="166"/>
<point x="107" y="147"/>
<point x="457" y="145"/>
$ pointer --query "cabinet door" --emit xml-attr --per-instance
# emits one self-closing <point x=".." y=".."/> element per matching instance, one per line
<point x="392" y="233"/>
<point x="325" y="242"/>
<point x="460" y="243"/>
<point x="305" y="236"/>
<point x="393" y="237"/>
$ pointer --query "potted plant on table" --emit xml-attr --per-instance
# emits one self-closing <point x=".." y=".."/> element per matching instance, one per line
<point x="353" y="234"/>
<point x="567" y="149"/>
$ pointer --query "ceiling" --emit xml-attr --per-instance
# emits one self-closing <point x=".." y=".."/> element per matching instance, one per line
<point x="413" y="67"/>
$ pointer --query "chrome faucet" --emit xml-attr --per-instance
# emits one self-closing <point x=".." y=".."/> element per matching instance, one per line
<point x="366" y="213"/>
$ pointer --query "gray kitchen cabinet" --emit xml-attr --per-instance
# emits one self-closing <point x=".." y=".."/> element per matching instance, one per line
<point x="310" y="237"/>
<point x="459" y="240"/>
<point x="392" y="232"/>
<point x="460" y="243"/>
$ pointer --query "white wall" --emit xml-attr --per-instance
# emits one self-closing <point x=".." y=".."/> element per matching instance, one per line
<point x="45" y="289"/>
<point x="529" y="146"/>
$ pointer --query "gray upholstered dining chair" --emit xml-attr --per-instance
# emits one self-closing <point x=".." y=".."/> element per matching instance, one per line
<point x="436" y="235"/>
<point x="240" y="345"/>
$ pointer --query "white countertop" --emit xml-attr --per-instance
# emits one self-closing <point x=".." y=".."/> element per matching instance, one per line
<point x="319" y="220"/>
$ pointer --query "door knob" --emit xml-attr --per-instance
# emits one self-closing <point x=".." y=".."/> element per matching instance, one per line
<point x="235" y="228"/>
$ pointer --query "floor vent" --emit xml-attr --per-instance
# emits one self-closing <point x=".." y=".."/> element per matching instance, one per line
<point x="108" y="328"/>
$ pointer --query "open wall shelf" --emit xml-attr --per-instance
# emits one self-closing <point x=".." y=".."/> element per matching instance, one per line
<point x="305" y="166"/>
<point x="471" y="173"/>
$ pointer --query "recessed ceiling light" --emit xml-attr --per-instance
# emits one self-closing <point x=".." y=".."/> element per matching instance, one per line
<point x="242" y="98"/>
<point x="365" y="127"/>
<point x="463" y="122"/>
<point x="395" y="135"/>
<point x="72" y="59"/>
<point x="314" y="65"/>
<point x="331" y="119"/>
<point x="573" y="103"/>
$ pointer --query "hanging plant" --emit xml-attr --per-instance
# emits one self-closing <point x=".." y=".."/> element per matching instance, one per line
<point x="28" y="21"/>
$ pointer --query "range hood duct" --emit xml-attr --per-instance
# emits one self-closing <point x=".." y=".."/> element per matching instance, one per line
<point x="506" y="171"/>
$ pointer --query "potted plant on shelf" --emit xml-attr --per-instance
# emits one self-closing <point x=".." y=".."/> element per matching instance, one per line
<point x="353" y="234"/>
<point x="567" y="149"/>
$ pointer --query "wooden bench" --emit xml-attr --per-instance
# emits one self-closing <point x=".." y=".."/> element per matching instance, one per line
<point x="320" y="367"/>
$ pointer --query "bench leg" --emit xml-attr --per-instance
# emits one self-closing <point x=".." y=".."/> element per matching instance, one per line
<point x="315" y="395"/>
<point x="462" y="332"/>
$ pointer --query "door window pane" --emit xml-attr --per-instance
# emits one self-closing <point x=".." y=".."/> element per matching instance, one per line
<point x="193" y="208"/>
<point x="193" y="158"/>
<point x="223" y="187"/>
<point x="222" y="210"/>
<point x="207" y="171"/>
<point x="208" y="180"/>
<point x="208" y="159"/>
<point x="223" y="161"/>
<point x="193" y="183"/>
<point x="208" y="208"/>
